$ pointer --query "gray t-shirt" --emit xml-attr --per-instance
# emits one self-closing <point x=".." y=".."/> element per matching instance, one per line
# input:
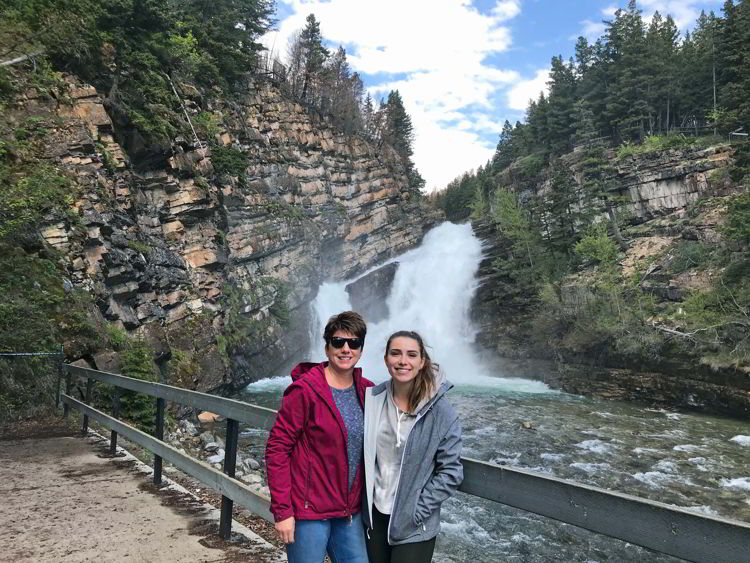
<point x="348" y="405"/>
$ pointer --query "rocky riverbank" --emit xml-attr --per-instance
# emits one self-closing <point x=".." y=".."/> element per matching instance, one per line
<point x="204" y="442"/>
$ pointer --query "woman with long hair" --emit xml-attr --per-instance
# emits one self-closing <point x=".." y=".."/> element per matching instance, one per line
<point x="314" y="451"/>
<point x="412" y="454"/>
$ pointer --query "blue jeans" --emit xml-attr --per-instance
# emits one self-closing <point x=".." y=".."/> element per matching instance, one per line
<point x="342" y="538"/>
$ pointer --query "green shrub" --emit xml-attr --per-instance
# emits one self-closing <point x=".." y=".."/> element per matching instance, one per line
<point x="7" y="88"/>
<point x="137" y="362"/>
<point x="117" y="336"/>
<point x="531" y="166"/>
<point x="740" y="169"/>
<point x="596" y="246"/>
<point x="207" y="124"/>
<point x="228" y="160"/>
<point x="654" y="143"/>
<point x="37" y="315"/>
<point x="280" y="306"/>
<point x="737" y="226"/>
<point x="688" y="255"/>
<point x="24" y="201"/>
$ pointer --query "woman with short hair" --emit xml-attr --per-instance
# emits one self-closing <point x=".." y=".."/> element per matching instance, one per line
<point x="412" y="454"/>
<point x="314" y="451"/>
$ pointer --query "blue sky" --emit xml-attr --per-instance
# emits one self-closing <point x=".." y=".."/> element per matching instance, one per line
<point x="463" y="67"/>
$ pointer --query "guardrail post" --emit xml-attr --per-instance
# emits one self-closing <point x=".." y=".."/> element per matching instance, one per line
<point x="59" y="377"/>
<point x="89" y="389"/>
<point x="230" y="461"/>
<point x="68" y="387"/>
<point x="115" y="414"/>
<point x="159" y="434"/>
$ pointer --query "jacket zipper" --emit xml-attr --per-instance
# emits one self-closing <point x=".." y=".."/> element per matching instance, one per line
<point x="307" y="487"/>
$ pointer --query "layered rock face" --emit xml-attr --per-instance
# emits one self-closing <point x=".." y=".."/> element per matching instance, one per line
<point x="657" y="191"/>
<point x="222" y="267"/>
<point x="663" y="182"/>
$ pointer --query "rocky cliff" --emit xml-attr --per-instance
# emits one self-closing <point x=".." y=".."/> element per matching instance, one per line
<point x="211" y="252"/>
<point x="673" y="203"/>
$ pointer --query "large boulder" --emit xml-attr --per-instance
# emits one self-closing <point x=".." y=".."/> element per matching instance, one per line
<point x="369" y="294"/>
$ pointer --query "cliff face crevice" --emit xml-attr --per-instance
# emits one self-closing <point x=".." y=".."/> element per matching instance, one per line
<point x="673" y="202"/>
<point x="216" y="249"/>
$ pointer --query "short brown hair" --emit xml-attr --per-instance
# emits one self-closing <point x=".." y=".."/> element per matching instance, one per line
<point x="348" y="321"/>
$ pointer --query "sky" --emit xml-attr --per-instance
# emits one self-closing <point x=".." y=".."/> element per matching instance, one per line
<point x="462" y="66"/>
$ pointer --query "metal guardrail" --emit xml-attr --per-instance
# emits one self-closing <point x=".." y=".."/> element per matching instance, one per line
<point x="60" y="355"/>
<point x="650" y="524"/>
<point x="234" y="411"/>
<point x="738" y="133"/>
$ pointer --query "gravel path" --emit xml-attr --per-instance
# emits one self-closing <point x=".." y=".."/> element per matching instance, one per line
<point x="64" y="499"/>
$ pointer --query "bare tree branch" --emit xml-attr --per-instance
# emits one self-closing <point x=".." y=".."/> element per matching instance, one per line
<point x="21" y="58"/>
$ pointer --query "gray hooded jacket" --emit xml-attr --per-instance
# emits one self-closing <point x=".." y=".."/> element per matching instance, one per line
<point x="431" y="469"/>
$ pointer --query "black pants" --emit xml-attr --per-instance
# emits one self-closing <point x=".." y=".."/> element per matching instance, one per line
<point x="380" y="552"/>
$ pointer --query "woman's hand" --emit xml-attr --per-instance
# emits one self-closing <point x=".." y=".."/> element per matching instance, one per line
<point x="285" y="528"/>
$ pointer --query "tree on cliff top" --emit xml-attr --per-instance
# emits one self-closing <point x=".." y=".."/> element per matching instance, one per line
<point x="313" y="56"/>
<point x="227" y="30"/>
<point x="398" y="132"/>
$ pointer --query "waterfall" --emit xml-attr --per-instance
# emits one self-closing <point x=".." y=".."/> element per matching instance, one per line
<point x="431" y="294"/>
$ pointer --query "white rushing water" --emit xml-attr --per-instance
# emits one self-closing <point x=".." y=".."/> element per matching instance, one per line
<point x="431" y="294"/>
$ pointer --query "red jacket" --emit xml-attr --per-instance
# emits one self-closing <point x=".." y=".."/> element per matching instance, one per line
<point x="306" y="458"/>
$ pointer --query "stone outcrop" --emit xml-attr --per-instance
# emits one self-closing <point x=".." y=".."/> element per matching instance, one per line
<point x="662" y="182"/>
<point x="222" y="267"/>
<point x="369" y="294"/>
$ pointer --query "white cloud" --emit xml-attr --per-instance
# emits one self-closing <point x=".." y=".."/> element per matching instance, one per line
<point x="507" y="10"/>
<point x="591" y="30"/>
<point x="522" y="92"/>
<point x="684" y="12"/>
<point x="441" y="48"/>
<point x="609" y="11"/>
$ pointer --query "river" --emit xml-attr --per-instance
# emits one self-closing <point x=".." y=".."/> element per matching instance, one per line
<point x="691" y="460"/>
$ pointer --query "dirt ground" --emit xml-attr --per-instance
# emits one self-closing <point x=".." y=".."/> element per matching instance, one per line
<point x="62" y="498"/>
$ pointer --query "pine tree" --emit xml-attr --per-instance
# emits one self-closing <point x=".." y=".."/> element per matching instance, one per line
<point x="627" y="101"/>
<point x="504" y="154"/>
<point x="368" y="117"/>
<point x="560" y="115"/>
<point x="226" y="30"/>
<point x="313" y="54"/>
<point x="584" y="57"/>
<point x="730" y="64"/>
<point x="661" y="53"/>
<point x="562" y="210"/>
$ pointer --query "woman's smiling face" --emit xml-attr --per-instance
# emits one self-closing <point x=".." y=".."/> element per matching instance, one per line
<point x="404" y="359"/>
<point x="344" y="358"/>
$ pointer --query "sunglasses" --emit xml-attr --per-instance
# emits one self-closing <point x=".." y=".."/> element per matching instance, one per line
<point x="354" y="343"/>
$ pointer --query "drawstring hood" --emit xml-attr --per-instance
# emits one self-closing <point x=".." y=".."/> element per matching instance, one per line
<point x="401" y="415"/>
